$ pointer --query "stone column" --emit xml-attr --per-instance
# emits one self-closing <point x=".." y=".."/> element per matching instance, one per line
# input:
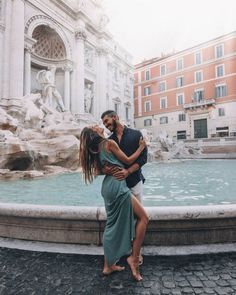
<point x="17" y="49"/>
<point x="100" y="102"/>
<point x="27" y="77"/>
<point x="77" y="102"/>
<point x="67" y="99"/>
<point x="2" y="28"/>
<point x="29" y="42"/>
<point x="6" y="50"/>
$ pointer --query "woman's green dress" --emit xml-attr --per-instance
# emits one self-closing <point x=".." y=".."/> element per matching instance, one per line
<point x="120" y="226"/>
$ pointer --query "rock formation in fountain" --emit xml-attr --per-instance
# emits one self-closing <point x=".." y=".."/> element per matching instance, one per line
<point x="164" y="149"/>
<point x="36" y="138"/>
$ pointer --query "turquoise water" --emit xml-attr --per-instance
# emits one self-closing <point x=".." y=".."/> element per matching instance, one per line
<point x="198" y="182"/>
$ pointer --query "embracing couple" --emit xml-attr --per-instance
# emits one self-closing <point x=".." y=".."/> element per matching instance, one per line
<point x="120" y="158"/>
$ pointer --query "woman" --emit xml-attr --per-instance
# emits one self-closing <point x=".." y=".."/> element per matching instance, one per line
<point x="120" y="205"/>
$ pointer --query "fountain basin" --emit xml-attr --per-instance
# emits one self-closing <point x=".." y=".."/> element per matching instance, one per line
<point x="169" y="226"/>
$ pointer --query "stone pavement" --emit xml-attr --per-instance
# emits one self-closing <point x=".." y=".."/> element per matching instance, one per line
<point x="25" y="273"/>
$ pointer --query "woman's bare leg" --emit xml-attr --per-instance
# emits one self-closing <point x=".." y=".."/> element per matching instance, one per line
<point x="107" y="270"/>
<point x="141" y="227"/>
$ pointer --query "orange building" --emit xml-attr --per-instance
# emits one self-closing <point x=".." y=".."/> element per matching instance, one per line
<point x="189" y="94"/>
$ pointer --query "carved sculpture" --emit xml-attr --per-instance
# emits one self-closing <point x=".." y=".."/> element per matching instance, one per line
<point x="50" y="94"/>
<point x="88" y="98"/>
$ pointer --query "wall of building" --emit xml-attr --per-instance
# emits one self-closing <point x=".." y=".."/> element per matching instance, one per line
<point x="164" y="70"/>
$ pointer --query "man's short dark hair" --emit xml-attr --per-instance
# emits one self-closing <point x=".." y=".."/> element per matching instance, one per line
<point x="109" y="113"/>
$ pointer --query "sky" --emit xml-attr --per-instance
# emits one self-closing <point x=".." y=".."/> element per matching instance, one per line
<point x="148" y="28"/>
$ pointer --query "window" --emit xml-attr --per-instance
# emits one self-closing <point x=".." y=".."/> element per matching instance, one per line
<point x="163" y="120"/>
<point x="148" y="122"/>
<point x="162" y="86"/>
<point x="127" y="113"/>
<point x="179" y="64"/>
<point x="147" y="90"/>
<point x="147" y="75"/>
<point x="220" y="71"/>
<point x="116" y="107"/>
<point x="147" y="106"/>
<point x="198" y="76"/>
<point x="222" y="131"/>
<point x="219" y="51"/>
<point x="163" y="102"/>
<point x="221" y="112"/>
<point x="179" y="82"/>
<point x="162" y="70"/>
<point x="181" y="134"/>
<point x="198" y="95"/>
<point x="221" y="91"/>
<point x="182" y="117"/>
<point x="198" y="58"/>
<point x="180" y="99"/>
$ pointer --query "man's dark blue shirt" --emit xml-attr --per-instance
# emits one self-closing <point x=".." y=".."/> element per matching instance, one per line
<point x="129" y="143"/>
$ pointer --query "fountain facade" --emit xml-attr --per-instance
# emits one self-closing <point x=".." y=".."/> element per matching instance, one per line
<point x="63" y="50"/>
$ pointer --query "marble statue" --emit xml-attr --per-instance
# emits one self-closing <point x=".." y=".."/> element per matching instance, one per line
<point x="50" y="94"/>
<point x="88" y="98"/>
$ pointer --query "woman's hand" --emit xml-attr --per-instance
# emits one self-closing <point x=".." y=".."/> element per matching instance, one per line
<point x="142" y="143"/>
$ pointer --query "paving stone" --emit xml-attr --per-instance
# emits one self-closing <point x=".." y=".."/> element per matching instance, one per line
<point x="222" y="283"/>
<point x="166" y="291"/>
<point x="35" y="273"/>
<point x="196" y="284"/>
<point x="187" y="290"/>
<point x="214" y="278"/>
<point x="169" y="285"/>
<point x="210" y="284"/>
<point x="223" y="290"/>
<point x="184" y="284"/>
<point x="225" y="276"/>
<point x="232" y="282"/>
<point x="198" y="290"/>
<point x="209" y="291"/>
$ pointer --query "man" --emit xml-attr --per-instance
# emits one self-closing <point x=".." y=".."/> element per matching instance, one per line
<point x="128" y="141"/>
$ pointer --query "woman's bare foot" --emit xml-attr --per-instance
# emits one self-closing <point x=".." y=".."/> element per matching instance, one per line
<point x="108" y="270"/>
<point x="134" y="266"/>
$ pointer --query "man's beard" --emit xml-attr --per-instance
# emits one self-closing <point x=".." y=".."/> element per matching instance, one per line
<point x="114" y="126"/>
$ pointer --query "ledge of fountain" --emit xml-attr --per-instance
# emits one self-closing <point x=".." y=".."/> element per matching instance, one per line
<point x="168" y="226"/>
<point x="99" y="214"/>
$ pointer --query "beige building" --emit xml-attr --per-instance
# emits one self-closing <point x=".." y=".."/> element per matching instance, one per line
<point x="189" y="94"/>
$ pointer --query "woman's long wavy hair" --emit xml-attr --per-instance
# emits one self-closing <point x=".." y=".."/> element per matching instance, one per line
<point x="89" y="153"/>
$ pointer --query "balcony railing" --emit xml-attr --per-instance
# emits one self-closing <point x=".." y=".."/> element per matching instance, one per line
<point x="200" y="104"/>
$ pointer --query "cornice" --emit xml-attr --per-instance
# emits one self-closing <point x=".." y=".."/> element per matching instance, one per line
<point x="72" y="11"/>
<point x="184" y="52"/>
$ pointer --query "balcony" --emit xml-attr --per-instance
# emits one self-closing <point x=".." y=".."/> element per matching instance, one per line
<point x="204" y="103"/>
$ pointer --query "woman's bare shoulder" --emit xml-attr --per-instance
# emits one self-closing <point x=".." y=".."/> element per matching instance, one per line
<point x="111" y="144"/>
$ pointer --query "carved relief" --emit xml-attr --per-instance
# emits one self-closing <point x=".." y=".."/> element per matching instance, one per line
<point x="89" y="57"/>
<point x="103" y="21"/>
<point x="80" y="34"/>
